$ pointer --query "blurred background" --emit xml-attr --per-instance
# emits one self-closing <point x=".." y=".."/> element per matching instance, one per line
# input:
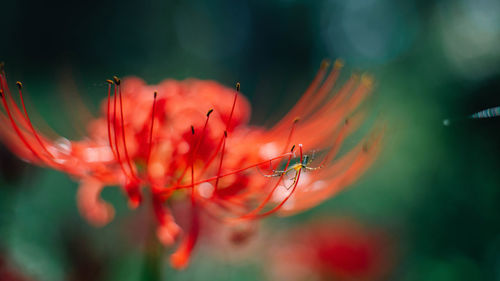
<point x="434" y="191"/>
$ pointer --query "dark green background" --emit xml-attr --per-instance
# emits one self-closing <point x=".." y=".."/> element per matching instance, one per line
<point x="435" y="189"/>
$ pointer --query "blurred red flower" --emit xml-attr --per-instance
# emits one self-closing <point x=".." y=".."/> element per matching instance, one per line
<point x="9" y="273"/>
<point x="189" y="140"/>
<point x="331" y="249"/>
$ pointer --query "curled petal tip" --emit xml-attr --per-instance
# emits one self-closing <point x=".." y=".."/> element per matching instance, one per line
<point x="179" y="261"/>
<point x="167" y="233"/>
<point x="165" y="236"/>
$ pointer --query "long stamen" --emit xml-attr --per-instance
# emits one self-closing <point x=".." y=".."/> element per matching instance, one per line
<point x="192" y="166"/>
<point x="151" y="131"/>
<point x="110" y="82"/>
<point x="118" y="156"/>
<point x="325" y="88"/>
<point x="181" y="257"/>
<point x="234" y="105"/>
<point x="295" y="121"/>
<point x="299" y="108"/>
<point x="5" y="94"/>
<point x="212" y="158"/>
<point x="176" y="187"/>
<point x="276" y="208"/>
<point x="255" y="212"/>
<point x="127" y="158"/>
<point x="20" y="86"/>
<point x="336" y="145"/>
<point x="16" y="128"/>
<point x="198" y="144"/>
<point x="5" y="87"/>
<point x="221" y="159"/>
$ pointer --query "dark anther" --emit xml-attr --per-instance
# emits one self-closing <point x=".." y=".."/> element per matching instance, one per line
<point x="210" y="112"/>
<point x="192" y="129"/>
<point x="238" y="86"/>
<point x="225" y="134"/>
<point x="109" y="81"/>
<point x="156" y="93"/>
<point x="117" y="80"/>
<point x="293" y="148"/>
<point x="325" y="63"/>
<point x="365" y="147"/>
<point x="19" y="85"/>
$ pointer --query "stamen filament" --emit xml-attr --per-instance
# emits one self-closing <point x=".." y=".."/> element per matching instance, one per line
<point x="19" y="85"/>
<point x="110" y="82"/>
<point x="151" y="131"/>
<point x="127" y="158"/>
<point x="177" y="187"/>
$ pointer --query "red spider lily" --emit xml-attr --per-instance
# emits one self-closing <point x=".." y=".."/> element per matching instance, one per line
<point x="331" y="249"/>
<point x="190" y="139"/>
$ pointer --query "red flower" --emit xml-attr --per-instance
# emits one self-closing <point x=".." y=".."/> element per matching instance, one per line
<point x="340" y="249"/>
<point x="189" y="140"/>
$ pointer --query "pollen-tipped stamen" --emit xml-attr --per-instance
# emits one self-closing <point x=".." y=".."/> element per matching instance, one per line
<point x="110" y="82"/>
<point x="325" y="88"/>
<point x="237" y="171"/>
<point x="228" y="123"/>
<point x="20" y="86"/>
<point x="115" y="132"/>
<point x="150" y="142"/>
<point x="254" y="214"/>
<point x="197" y="146"/>
<point x="127" y="158"/>
<point x="17" y="129"/>
<point x="336" y="145"/>
<point x="299" y="108"/>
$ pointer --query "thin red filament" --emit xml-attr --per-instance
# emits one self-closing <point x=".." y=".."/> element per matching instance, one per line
<point x="221" y="159"/>
<point x="109" y="119"/>
<point x="197" y="146"/>
<point x="254" y="213"/>
<point x="177" y="187"/>
<point x="211" y="159"/>
<point x="127" y="158"/>
<point x="276" y="208"/>
<point x="16" y="128"/>
<point x="118" y="156"/>
<point x="29" y="121"/>
<point x="151" y="130"/>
